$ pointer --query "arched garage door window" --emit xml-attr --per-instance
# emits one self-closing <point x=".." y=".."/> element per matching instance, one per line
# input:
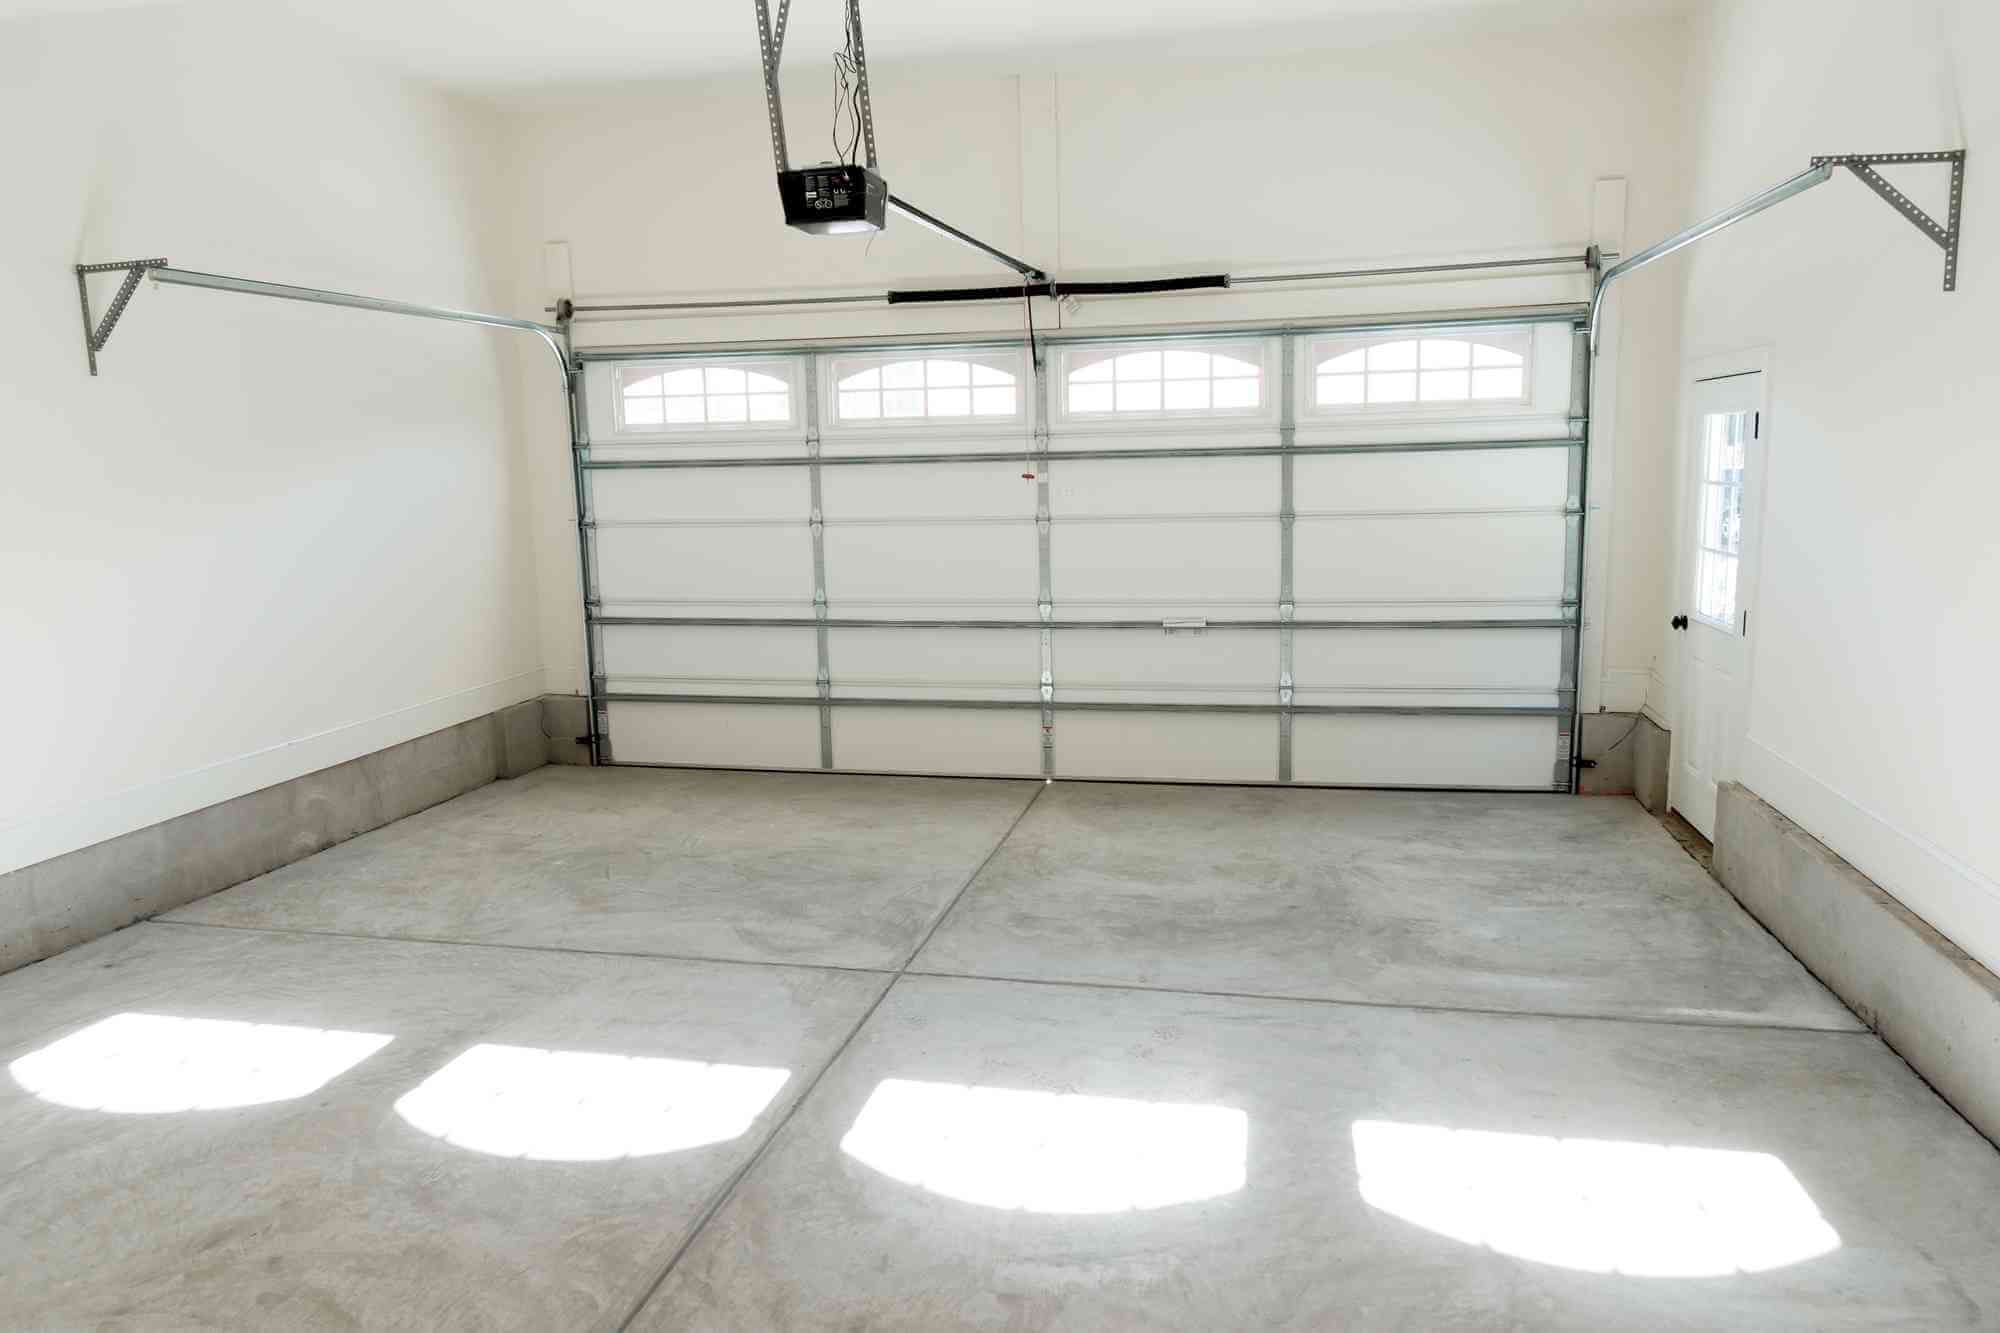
<point x="654" y="398"/>
<point x="1351" y="374"/>
<point x="926" y="387"/>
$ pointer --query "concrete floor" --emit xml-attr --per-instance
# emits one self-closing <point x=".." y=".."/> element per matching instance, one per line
<point x="665" y="1050"/>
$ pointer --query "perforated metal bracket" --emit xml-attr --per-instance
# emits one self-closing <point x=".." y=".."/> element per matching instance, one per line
<point x="96" y="334"/>
<point x="771" y="49"/>
<point x="1945" y="234"/>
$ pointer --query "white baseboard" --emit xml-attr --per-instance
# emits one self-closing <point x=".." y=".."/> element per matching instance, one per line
<point x="41" y="834"/>
<point x="1959" y="902"/>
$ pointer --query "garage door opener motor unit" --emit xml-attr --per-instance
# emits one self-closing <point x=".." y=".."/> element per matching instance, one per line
<point x="845" y="197"/>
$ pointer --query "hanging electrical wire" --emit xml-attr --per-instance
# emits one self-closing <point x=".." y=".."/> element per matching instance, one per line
<point x="847" y="95"/>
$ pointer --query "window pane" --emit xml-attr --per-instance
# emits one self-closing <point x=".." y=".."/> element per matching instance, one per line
<point x="688" y="380"/>
<point x="684" y="411"/>
<point x="902" y="402"/>
<point x="1096" y="370"/>
<point x="949" y="373"/>
<point x="642" y="411"/>
<point x="864" y="379"/>
<point x="1186" y="395"/>
<point x="1398" y="387"/>
<point x="1139" y="366"/>
<point x="1708" y="586"/>
<point x="767" y="406"/>
<point x="1230" y="367"/>
<point x="759" y="383"/>
<point x="1715" y="442"/>
<point x="1340" y="390"/>
<point x="1732" y="519"/>
<point x="1446" y="353"/>
<point x="860" y="406"/>
<point x="1236" y="393"/>
<point x="1346" y="363"/>
<point x="1394" y="356"/>
<point x="645" y="385"/>
<point x="1140" y="395"/>
<point x="724" y="379"/>
<point x="1496" y="383"/>
<point x="1447" y="386"/>
<point x="1486" y="354"/>
<point x="728" y="407"/>
<point x="989" y="375"/>
<point x="1186" y="365"/>
<point x="1715" y="592"/>
<point x="1090" y="397"/>
<point x="951" y="402"/>
<point x="903" y="375"/>
<point x="992" y="402"/>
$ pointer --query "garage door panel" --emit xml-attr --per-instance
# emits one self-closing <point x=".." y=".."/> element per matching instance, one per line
<point x="935" y="663"/>
<point x="702" y="495"/>
<point x="1193" y="747"/>
<point x="715" y="735"/>
<point x="1170" y="487"/>
<point x="1447" y="668"/>
<point x="1218" y="567"/>
<point x="754" y="570"/>
<point x="934" y="491"/>
<point x="984" y="567"/>
<point x="705" y="659"/>
<point x="1472" y="558"/>
<point x="1440" y="751"/>
<point x="1482" y="479"/>
<point x="1188" y="434"/>
<point x="1148" y="666"/>
<point x="998" y="742"/>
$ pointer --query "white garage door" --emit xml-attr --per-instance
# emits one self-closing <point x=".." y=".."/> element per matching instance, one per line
<point x="1347" y="556"/>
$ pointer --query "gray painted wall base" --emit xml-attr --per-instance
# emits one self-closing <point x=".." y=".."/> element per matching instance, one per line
<point x="63" y="902"/>
<point x="1937" y="1007"/>
<point x="564" y="718"/>
<point x="1636" y="767"/>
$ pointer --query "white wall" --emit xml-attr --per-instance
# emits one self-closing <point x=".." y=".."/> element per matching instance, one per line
<point x="1466" y="146"/>
<point x="268" y="537"/>
<point x="1876" y="633"/>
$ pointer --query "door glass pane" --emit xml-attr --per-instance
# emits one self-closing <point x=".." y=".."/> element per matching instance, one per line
<point x="1719" y="517"/>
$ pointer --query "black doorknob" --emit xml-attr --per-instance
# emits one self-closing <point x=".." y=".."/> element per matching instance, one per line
<point x="1679" y="622"/>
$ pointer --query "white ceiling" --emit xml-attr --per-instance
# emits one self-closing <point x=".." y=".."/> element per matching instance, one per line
<point x="511" y="45"/>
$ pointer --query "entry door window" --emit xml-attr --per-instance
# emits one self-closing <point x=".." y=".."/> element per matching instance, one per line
<point x="1719" y="538"/>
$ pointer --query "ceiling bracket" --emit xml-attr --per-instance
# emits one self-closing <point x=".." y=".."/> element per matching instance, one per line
<point x="1946" y="234"/>
<point x="97" y="333"/>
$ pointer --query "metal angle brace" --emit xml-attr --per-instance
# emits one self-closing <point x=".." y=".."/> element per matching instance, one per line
<point x="1946" y="234"/>
<point x="96" y="334"/>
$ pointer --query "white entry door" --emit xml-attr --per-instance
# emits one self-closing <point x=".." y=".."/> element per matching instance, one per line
<point x="1719" y="505"/>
